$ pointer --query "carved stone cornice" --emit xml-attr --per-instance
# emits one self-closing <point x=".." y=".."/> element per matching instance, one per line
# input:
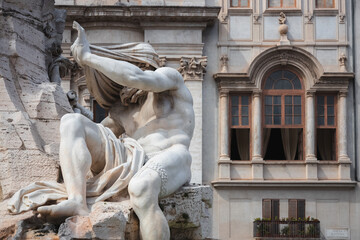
<point x="193" y="68"/>
<point x="136" y="14"/>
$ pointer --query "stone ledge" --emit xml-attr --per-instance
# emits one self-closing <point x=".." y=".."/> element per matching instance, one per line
<point x="188" y="212"/>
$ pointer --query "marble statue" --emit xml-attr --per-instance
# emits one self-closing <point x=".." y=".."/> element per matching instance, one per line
<point x="77" y="107"/>
<point x="143" y="144"/>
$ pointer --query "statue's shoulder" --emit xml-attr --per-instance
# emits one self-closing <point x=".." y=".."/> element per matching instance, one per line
<point x="171" y="73"/>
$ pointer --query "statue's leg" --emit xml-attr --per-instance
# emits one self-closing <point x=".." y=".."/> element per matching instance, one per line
<point x="81" y="148"/>
<point x="162" y="175"/>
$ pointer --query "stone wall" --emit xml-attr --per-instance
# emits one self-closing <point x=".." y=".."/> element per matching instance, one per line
<point x="30" y="105"/>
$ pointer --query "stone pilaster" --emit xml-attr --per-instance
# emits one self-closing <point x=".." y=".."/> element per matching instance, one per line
<point x="310" y="158"/>
<point x="256" y="139"/>
<point x="224" y="159"/>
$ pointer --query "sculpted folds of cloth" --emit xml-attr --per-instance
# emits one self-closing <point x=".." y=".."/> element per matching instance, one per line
<point x="142" y="145"/>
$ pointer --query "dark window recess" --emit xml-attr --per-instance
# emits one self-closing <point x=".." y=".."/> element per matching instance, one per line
<point x="99" y="112"/>
<point x="326" y="144"/>
<point x="296" y="208"/>
<point x="240" y="144"/>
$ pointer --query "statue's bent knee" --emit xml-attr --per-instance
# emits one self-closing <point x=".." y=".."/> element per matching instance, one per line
<point x="71" y="122"/>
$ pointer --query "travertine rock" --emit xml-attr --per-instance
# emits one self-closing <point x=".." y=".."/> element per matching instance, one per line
<point x="30" y="105"/>
<point x="187" y="212"/>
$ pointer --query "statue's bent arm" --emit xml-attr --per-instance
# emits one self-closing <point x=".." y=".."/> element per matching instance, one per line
<point x="129" y="75"/>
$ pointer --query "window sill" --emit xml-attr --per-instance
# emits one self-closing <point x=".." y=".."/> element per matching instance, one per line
<point x="284" y="10"/>
<point x="234" y="10"/>
<point x="284" y="184"/>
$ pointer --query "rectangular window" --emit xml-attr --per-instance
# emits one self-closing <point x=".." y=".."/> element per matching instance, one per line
<point x="271" y="209"/>
<point x="240" y="107"/>
<point x="296" y="208"/>
<point x="325" y="3"/>
<point x="326" y="126"/>
<point x="281" y="3"/>
<point x="240" y="3"/>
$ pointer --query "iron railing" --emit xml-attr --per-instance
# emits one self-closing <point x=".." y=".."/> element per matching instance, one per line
<point x="287" y="229"/>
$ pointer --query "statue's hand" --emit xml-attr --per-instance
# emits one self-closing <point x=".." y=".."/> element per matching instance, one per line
<point x="80" y="48"/>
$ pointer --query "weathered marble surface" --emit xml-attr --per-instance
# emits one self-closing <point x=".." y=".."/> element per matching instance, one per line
<point x="30" y="105"/>
<point x="187" y="212"/>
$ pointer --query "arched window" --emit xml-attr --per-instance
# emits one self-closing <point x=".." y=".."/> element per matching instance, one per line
<point x="283" y="116"/>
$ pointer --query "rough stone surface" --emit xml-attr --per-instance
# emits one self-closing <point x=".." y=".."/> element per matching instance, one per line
<point x="187" y="212"/>
<point x="30" y="105"/>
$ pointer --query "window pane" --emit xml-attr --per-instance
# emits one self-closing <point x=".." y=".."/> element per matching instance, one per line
<point x="288" y="119"/>
<point x="234" y="100"/>
<point x="268" y="110"/>
<point x="269" y="83"/>
<point x="288" y="3"/>
<point x="329" y="3"/>
<point x="320" y="121"/>
<point x="245" y="111"/>
<point x="331" y="121"/>
<point x="288" y="110"/>
<point x="244" y="3"/>
<point x="277" y="109"/>
<point x="235" y="121"/>
<point x="245" y="100"/>
<point x="320" y="100"/>
<point x="283" y="84"/>
<point x="297" y="83"/>
<point x="268" y="100"/>
<point x="289" y="75"/>
<point x="235" y="111"/>
<point x="234" y="3"/>
<point x="268" y="119"/>
<point x="288" y="99"/>
<point x="277" y="120"/>
<point x="277" y="100"/>
<point x="274" y="3"/>
<point x="245" y="120"/>
<point x="320" y="3"/>
<point x="297" y="110"/>
<point x="297" y="119"/>
<point x="330" y="100"/>
<point x="330" y="110"/>
<point x="320" y="110"/>
<point x="297" y="100"/>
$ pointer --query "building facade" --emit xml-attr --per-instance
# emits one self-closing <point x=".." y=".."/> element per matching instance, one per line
<point x="274" y="96"/>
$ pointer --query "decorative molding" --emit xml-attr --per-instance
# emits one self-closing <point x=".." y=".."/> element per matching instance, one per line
<point x="342" y="18"/>
<point x="223" y="17"/>
<point x="342" y="62"/>
<point x="309" y="18"/>
<point x="256" y="18"/>
<point x="193" y="68"/>
<point x="224" y="63"/>
<point x="163" y="61"/>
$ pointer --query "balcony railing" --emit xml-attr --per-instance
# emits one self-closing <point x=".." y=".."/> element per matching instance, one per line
<point x="287" y="229"/>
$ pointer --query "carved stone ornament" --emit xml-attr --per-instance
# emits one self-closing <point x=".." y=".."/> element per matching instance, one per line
<point x="256" y="18"/>
<point x="342" y="62"/>
<point x="283" y="30"/>
<point x="224" y="63"/>
<point x="193" y="68"/>
<point x="309" y="18"/>
<point x="223" y="17"/>
<point x="162" y="61"/>
<point x="342" y="18"/>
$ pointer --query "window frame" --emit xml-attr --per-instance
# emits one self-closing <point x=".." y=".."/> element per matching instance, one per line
<point x="283" y="93"/>
<point x="335" y="127"/>
<point x="324" y="1"/>
<point x="239" y="3"/>
<point x="282" y="5"/>
<point x="230" y="126"/>
<point x="272" y="210"/>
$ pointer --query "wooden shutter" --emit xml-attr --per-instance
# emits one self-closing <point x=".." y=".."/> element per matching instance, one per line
<point x="266" y="208"/>
<point x="292" y="208"/>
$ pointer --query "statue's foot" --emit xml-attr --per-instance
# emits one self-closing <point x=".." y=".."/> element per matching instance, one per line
<point x="66" y="208"/>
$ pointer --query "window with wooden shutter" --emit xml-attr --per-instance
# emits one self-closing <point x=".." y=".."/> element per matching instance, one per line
<point x="271" y="209"/>
<point x="296" y="208"/>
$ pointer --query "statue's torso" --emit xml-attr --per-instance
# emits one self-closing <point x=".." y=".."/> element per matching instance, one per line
<point x="163" y="120"/>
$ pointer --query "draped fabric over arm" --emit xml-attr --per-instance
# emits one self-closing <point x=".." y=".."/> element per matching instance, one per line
<point x="102" y="88"/>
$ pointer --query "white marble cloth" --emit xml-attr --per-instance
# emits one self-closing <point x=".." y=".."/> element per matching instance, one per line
<point x="124" y="157"/>
<point x="103" y="89"/>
